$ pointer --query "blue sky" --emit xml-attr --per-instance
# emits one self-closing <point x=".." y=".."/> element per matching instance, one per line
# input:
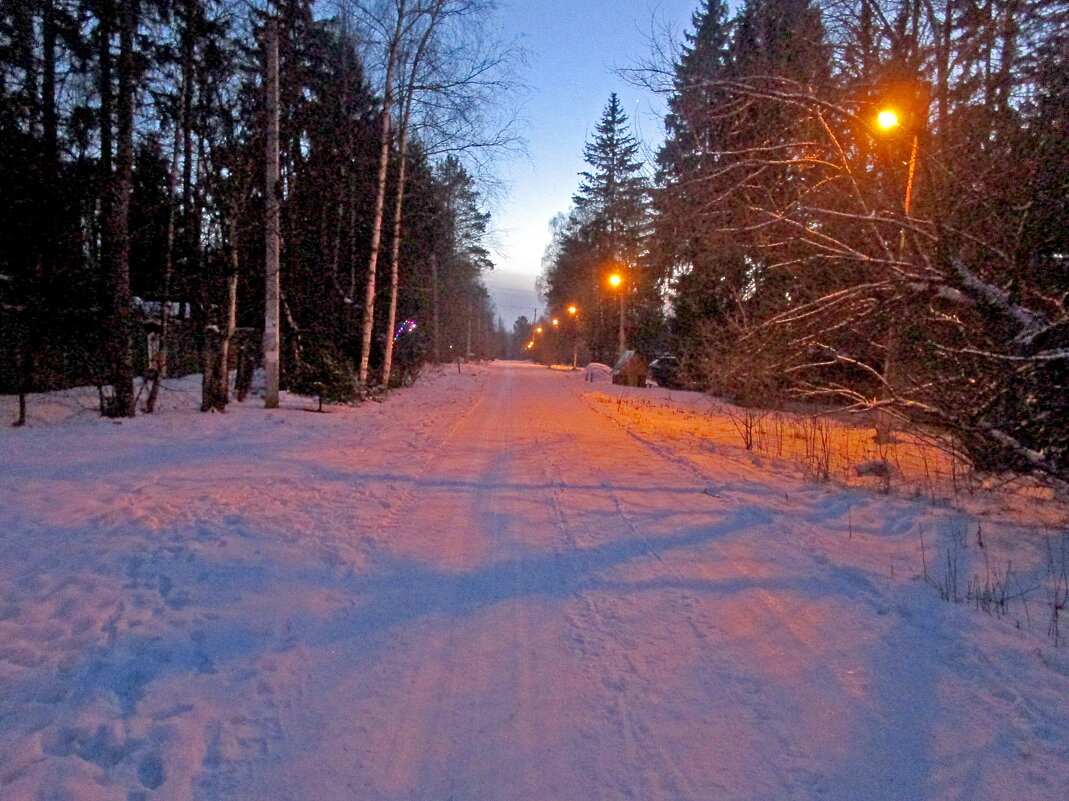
<point x="574" y="48"/>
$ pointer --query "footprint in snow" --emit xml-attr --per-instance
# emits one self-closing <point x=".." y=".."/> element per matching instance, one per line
<point x="150" y="771"/>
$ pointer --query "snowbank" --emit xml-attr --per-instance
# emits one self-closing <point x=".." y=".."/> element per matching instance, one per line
<point x="596" y="372"/>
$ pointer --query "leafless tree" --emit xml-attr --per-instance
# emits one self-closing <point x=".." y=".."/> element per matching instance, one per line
<point x="452" y="75"/>
<point x="885" y="268"/>
<point x="891" y="308"/>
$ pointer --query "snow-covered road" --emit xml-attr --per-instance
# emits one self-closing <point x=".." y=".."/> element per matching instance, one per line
<point x="489" y="588"/>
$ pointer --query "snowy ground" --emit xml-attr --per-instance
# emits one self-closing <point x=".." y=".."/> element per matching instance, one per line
<point x="505" y="583"/>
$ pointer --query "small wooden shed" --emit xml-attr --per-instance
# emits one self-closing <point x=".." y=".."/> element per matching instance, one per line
<point x="629" y="370"/>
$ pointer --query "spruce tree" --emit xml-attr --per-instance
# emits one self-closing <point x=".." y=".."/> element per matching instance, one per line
<point x="687" y="252"/>
<point x="607" y="230"/>
<point x="614" y="193"/>
<point x="690" y="126"/>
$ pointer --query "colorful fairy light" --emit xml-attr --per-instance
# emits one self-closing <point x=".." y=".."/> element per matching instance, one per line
<point x="407" y="327"/>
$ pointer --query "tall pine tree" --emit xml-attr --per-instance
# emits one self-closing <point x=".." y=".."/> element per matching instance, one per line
<point x="688" y="252"/>
<point x="607" y="231"/>
<point x="614" y="193"/>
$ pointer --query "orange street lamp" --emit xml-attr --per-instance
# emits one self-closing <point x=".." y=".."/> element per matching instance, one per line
<point x="909" y="117"/>
<point x="538" y="330"/>
<point x="616" y="281"/>
<point x="573" y="312"/>
<point x="556" y="322"/>
<point x="887" y="119"/>
<point x="904" y="112"/>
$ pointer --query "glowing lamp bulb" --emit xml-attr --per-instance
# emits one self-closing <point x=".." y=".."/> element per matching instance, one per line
<point x="887" y="119"/>
<point x="615" y="279"/>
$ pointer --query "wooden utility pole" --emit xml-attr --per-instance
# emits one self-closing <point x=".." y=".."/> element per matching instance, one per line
<point x="467" y="347"/>
<point x="437" y="339"/>
<point x="271" y="233"/>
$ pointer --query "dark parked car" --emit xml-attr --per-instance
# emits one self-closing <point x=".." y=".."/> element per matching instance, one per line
<point x="665" y="371"/>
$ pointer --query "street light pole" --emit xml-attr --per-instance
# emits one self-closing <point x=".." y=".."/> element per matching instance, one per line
<point x="888" y="120"/>
<point x="911" y="172"/>
<point x="617" y="281"/>
<point x="573" y="312"/>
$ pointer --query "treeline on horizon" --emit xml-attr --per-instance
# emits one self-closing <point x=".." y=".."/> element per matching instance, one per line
<point x="132" y="191"/>
<point x="789" y="244"/>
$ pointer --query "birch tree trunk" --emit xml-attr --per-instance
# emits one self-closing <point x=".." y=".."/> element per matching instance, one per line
<point x="380" y="199"/>
<point x="395" y="250"/>
<point x="416" y="63"/>
<point x="217" y="393"/>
